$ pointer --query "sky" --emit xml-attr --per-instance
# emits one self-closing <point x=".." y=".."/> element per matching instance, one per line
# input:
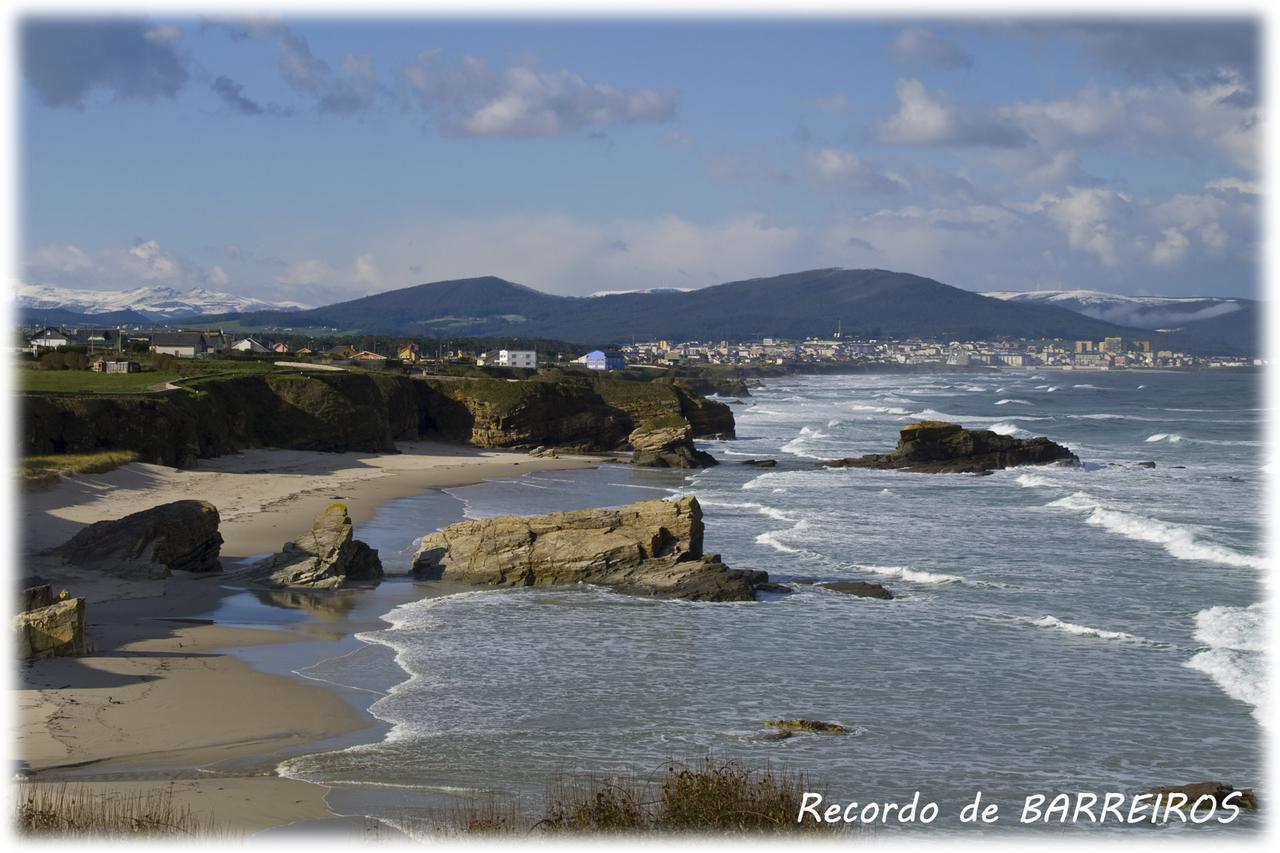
<point x="317" y="160"/>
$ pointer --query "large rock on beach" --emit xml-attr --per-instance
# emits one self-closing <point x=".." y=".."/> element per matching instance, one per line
<point x="667" y="442"/>
<point x="649" y="548"/>
<point x="178" y="536"/>
<point x="55" y="630"/>
<point x="328" y="556"/>
<point x="938" y="447"/>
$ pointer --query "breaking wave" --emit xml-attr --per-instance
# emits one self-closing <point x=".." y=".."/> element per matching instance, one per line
<point x="1178" y="540"/>
<point x="1011" y="400"/>
<point x="1085" y="631"/>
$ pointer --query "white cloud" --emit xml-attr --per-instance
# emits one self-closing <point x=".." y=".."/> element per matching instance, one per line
<point x="468" y="97"/>
<point x="846" y="170"/>
<point x="917" y="47"/>
<point x="927" y="117"/>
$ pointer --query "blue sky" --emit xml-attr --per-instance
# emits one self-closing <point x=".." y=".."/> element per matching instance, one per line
<point x="318" y="160"/>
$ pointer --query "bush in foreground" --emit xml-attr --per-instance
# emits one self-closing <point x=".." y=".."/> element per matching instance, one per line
<point x="711" y="796"/>
<point x="77" y="811"/>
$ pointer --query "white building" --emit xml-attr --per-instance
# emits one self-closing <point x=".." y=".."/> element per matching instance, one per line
<point x="508" y="358"/>
<point x="249" y="345"/>
<point x="50" y="337"/>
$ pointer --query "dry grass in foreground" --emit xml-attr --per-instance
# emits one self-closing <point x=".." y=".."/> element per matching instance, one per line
<point x="712" y="796"/>
<point x="69" y="810"/>
<point x="39" y="471"/>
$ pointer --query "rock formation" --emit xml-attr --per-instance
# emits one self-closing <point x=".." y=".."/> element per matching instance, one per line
<point x="48" y="628"/>
<point x="1217" y="791"/>
<point x="178" y="536"/>
<point x="860" y="588"/>
<point x="649" y="548"/>
<point x="937" y="447"/>
<point x="327" y="557"/>
<point x="814" y="726"/>
<point x="667" y="442"/>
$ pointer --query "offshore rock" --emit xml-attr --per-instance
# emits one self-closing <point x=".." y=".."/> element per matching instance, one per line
<point x="860" y="588"/>
<point x="667" y="442"/>
<point x="814" y="726"/>
<point x="938" y="447"/>
<point x="651" y="548"/>
<point x="326" y="557"/>
<point x="178" y="536"/>
<point x="1218" y="791"/>
<point x="52" y="631"/>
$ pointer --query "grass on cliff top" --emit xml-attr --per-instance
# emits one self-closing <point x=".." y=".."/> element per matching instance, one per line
<point x="39" y="471"/>
<point x="667" y="421"/>
<point x="74" y="811"/>
<point x="721" y="796"/>
<point x="88" y="382"/>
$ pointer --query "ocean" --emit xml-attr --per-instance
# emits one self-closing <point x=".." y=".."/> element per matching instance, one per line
<point x="1098" y="628"/>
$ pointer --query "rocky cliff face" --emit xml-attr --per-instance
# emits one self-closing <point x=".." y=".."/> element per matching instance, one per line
<point x="667" y="442"/>
<point x="178" y="536"/>
<point x="937" y="447"/>
<point x="648" y="548"/>
<point x="327" y="557"/>
<point x="357" y="411"/>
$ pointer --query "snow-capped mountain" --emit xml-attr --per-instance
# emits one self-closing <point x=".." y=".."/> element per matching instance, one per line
<point x="155" y="303"/>
<point x="1143" y="312"/>
<point x="646" y="290"/>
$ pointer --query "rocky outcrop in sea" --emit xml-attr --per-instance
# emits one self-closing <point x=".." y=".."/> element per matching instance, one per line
<point x="938" y="447"/>
<point x="651" y="548"/>
<point x="328" y="556"/>
<point x="667" y="442"/>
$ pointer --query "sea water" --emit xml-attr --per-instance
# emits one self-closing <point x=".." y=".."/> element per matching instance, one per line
<point x="1054" y="629"/>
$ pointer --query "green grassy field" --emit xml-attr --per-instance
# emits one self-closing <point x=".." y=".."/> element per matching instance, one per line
<point x="37" y="471"/>
<point x="88" y="382"/>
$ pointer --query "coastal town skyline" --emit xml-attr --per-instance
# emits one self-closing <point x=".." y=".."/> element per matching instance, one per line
<point x="1114" y="155"/>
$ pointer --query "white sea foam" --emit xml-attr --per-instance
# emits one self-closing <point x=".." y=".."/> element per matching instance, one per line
<point x="1085" y="631"/>
<point x="1240" y="675"/>
<point x="1171" y="437"/>
<point x="834" y="422"/>
<point x="1178" y="540"/>
<point x="911" y="575"/>
<point x="1013" y="400"/>
<point x="1033" y="481"/>
<point x="1088" y="387"/>
<point x="1243" y="629"/>
<point x="762" y="509"/>
<point x="1005" y="428"/>
<point x="774" y="538"/>
<point x="798" y="446"/>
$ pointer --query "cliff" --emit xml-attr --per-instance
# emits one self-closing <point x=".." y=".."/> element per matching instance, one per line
<point x="360" y="411"/>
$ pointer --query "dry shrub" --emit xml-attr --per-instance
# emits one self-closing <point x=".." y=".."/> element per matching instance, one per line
<point x="74" y="810"/>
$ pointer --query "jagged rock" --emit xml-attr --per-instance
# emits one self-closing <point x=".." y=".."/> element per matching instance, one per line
<point x="178" y="536"/>
<point x="860" y="588"/>
<point x="1144" y="464"/>
<point x="327" y="557"/>
<point x="815" y="726"/>
<point x="649" y="548"/>
<point x="51" y="631"/>
<point x="1219" y="791"/>
<point x="667" y="442"/>
<point x="34" y="597"/>
<point x="760" y="463"/>
<point x="938" y="447"/>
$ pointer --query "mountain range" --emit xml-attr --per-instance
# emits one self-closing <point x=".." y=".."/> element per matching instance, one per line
<point x="814" y="303"/>
<point x="149" y="303"/>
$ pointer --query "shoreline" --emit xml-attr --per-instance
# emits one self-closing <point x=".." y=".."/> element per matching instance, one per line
<point x="185" y="691"/>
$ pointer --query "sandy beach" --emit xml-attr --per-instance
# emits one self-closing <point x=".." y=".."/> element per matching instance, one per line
<point x="164" y="700"/>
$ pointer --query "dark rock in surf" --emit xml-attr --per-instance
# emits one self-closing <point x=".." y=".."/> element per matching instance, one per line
<point x="859" y="588"/>
<point x="938" y="447"/>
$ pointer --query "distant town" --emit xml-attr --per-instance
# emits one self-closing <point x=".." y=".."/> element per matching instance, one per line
<point x="1112" y="353"/>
